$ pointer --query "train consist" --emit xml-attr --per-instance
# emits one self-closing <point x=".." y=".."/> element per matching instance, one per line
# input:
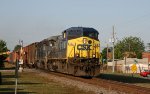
<point x="76" y="52"/>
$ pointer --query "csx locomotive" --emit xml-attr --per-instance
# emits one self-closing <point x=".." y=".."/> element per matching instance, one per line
<point x="75" y="52"/>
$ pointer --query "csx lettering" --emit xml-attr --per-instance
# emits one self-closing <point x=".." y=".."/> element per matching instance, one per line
<point x="83" y="47"/>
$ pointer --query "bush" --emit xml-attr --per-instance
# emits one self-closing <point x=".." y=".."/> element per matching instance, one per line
<point x="2" y="59"/>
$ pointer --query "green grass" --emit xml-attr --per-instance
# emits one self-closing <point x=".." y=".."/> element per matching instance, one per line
<point x="31" y="83"/>
<point x="7" y="66"/>
<point x="135" y="79"/>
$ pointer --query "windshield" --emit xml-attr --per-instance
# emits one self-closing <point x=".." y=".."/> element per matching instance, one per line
<point x="90" y="33"/>
<point x="76" y="32"/>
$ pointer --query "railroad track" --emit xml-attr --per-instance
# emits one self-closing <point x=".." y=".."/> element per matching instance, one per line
<point x="107" y="84"/>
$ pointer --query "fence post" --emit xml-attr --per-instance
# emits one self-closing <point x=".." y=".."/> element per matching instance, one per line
<point x="0" y="78"/>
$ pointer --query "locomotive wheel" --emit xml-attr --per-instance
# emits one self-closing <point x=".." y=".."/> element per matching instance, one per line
<point x="42" y="65"/>
<point x="37" y="64"/>
<point x="49" y="66"/>
<point x="75" y="69"/>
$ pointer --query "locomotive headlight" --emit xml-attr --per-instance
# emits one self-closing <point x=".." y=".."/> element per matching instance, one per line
<point x="84" y="40"/>
<point x="77" y="55"/>
<point x="94" y="55"/>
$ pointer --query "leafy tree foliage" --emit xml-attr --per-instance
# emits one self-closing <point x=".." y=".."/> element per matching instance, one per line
<point x="130" y="47"/>
<point x="104" y="54"/>
<point x="3" y="48"/>
<point x="17" y="47"/>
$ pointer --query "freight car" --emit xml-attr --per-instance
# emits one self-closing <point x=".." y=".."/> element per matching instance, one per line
<point x="29" y="55"/>
<point x="76" y="52"/>
<point x="14" y="57"/>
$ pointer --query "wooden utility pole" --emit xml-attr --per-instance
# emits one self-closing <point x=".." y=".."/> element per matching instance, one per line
<point x="107" y="53"/>
<point x="16" y="72"/>
<point x="113" y="41"/>
<point x="18" y="66"/>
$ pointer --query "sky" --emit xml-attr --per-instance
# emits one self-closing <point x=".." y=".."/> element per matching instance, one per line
<point x="35" y="20"/>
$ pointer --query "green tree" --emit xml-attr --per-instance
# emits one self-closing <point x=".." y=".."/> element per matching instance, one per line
<point x="104" y="53"/>
<point x="131" y="46"/>
<point x="17" y="47"/>
<point x="3" y="48"/>
<point x="119" y="50"/>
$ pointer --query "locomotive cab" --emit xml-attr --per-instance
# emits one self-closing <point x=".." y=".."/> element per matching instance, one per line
<point x="82" y="42"/>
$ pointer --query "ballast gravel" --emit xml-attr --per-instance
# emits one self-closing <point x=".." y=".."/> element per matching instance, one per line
<point x="69" y="82"/>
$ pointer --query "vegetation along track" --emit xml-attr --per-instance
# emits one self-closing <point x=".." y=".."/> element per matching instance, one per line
<point x="109" y="85"/>
<point x="119" y="86"/>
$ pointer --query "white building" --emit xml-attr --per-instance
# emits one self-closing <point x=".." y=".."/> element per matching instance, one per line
<point x="125" y="65"/>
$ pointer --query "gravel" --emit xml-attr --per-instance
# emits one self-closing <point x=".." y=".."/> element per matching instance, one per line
<point x="69" y="82"/>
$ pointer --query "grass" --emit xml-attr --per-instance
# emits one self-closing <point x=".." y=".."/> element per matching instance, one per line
<point x="7" y="66"/>
<point x="135" y="79"/>
<point x="44" y="86"/>
<point x="31" y="83"/>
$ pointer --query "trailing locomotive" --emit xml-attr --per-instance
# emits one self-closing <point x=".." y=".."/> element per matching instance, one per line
<point x="76" y="52"/>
